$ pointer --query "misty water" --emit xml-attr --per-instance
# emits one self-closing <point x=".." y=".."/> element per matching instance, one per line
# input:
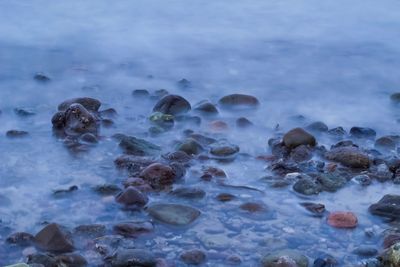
<point x="332" y="61"/>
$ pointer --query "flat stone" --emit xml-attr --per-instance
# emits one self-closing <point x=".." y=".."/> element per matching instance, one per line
<point x="342" y="219"/>
<point x="173" y="214"/>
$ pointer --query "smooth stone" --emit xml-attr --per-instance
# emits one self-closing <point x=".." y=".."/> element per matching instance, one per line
<point x="219" y="126"/>
<point x="165" y="121"/>
<point x="315" y="208"/>
<point x="131" y="197"/>
<point x="178" y="156"/>
<point x="140" y="93"/>
<point x="317" y="126"/>
<point x="16" y="134"/>
<point x="139" y="147"/>
<point x="362" y="132"/>
<point x="173" y="105"/>
<point x="41" y="77"/>
<point x="391" y="239"/>
<point x="342" y="219"/>
<point x="90" y="104"/>
<point x="193" y="257"/>
<point x="24" y="112"/>
<point x="190" y="146"/>
<point x="158" y="175"/>
<point x="388" y="206"/>
<point x="349" y="156"/>
<point x="270" y="259"/>
<point x="173" y="214"/>
<point x="385" y="143"/>
<point x="71" y="260"/>
<point x="301" y="153"/>
<point x="395" y="97"/>
<point x="337" y="132"/>
<point x="243" y="122"/>
<point x="331" y="182"/>
<point x="184" y="84"/>
<point x="362" y="179"/>
<point x="297" y="137"/>
<point x="224" y="149"/>
<point x="133" y="258"/>
<point x="206" y="108"/>
<point x="307" y="187"/>
<point x="133" y="229"/>
<point x="366" y="251"/>
<point x="42" y="259"/>
<point x="189" y="193"/>
<point x="239" y="101"/>
<point x="253" y="207"/>
<point x="225" y="197"/>
<point x="54" y="238"/>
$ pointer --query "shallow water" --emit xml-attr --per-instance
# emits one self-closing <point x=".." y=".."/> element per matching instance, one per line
<point x="332" y="61"/>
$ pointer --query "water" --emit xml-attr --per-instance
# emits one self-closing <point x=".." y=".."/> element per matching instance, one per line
<point x="332" y="61"/>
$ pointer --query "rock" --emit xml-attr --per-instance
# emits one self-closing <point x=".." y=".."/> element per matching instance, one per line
<point x="107" y="189"/>
<point x="20" y="239"/>
<point x="337" y="132"/>
<point x="189" y="193"/>
<point x="219" y="126"/>
<point x="391" y="239"/>
<point x="344" y="143"/>
<point x="133" y="229"/>
<point x="331" y="182"/>
<point x="18" y="265"/>
<point x="395" y="97"/>
<point x="297" y="137"/>
<point x="173" y="105"/>
<point x="71" y="260"/>
<point x="173" y="214"/>
<point x="349" y="156"/>
<point x="385" y="143"/>
<point x="42" y="259"/>
<point x="391" y="257"/>
<point x="204" y="140"/>
<point x="301" y="153"/>
<point x="41" y="77"/>
<point x="140" y="93"/>
<point x="317" y="126"/>
<point x="139" y="147"/>
<point x="78" y="120"/>
<point x="243" y="122"/>
<point x="109" y="113"/>
<point x="315" y="208"/>
<point x="184" y="84"/>
<point x="24" y="112"/>
<point x="89" y="138"/>
<point x="362" y="132"/>
<point x="16" y="134"/>
<point x="165" y="121"/>
<point x="307" y="187"/>
<point x="388" y="206"/>
<point x="362" y="179"/>
<point x="158" y="175"/>
<point x="131" y="197"/>
<point x="253" y="207"/>
<point x="206" y="108"/>
<point x="225" y="197"/>
<point x="63" y="192"/>
<point x="178" y="156"/>
<point x="133" y="257"/>
<point x="285" y="257"/>
<point x="365" y="251"/>
<point x="90" y="230"/>
<point x="342" y="219"/>
<point x="88" y="103"/>
<point x="54" y="238"/>
<point x="190" y="147"/>
<point x="133" y="164"/>
<point x="193" y="257"/>
<point x="239" y="101"/>
<point x="223" y="149"/>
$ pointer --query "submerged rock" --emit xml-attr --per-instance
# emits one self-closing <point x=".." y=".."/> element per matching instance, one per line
<point x="139" y="147"/>
<point x="331" y="182"/>
<point x="223" y="149"/>
<point x="388" y="206"/>
<point x="71" y="260"/>
<point x="297" y="137"/>
<point x="189" y="192"/>
<point x="190" y="146"/>
<point x="193" y="257"/>
<point x="317" y="126"/>
<point x="173" y="105"/>
<point x="158" y="175"/>
<point x="88" y="103"/>
<point x="206" y="108"/>
<point x="362" y="132"/>
<point x="385" y="143"/>
<point x="41" y="77"/>
<point x="307" y="186"/>
<point x="239" y="101"/>
<point x="342" y="219"/>
<point x="54" y="238"/>
<point x="133" y="229"/>
<point x="243" y="122"/>
<point x="16" y="134"/>
<point x="349" y="156"/>
<point x="173" y="214"/>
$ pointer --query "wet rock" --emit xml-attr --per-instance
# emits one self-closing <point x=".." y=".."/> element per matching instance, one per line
<point x="90" y="230"/>
<point x="43" y="259"/>
<point x="173" y="214"/>
<point x="110" y="113"/>
<point x="189" y="193"/>
<point x="186" y="119"/>
<point x="131" y="197"/>
<point x="344" y="143"/>
<point x="78" y="120"/>
<point x="89" y="138"/>
<point x="165" y="121"/>
<point x="239" y="101"/>
<point x="21" y="239"/>
<point x="395" y="98"/>
<point x="225" y="197"/>
<point x="219" y="126"/>
<point x="362" y="132"/>
<point x="278" y="149"/>
<point x="317" y="126"/>
<point x="107" y="189"/>
<point x="253" y="207"/>
<point x="301" y="153"/>
<point x="297" y="137"/>
<point x="223" y="149"/>
<point x="184" y="84"/>
<point x="18" y="265"/>
<point x="337" y="132"/>
<point x="173" y="105"/>
<point x="139" y="147"/>
<point x="391" y="257"/>
<point x="178" y="156"/>
<point x="204" y="140"/>
<point x="316" y="209"/>
<point x="133" y="164"/>
<point x="365" y="251"/>
<point x="158" y="175"/>
<point x="58" y="120"/>
<point x="349" y="156"/>
<point x="209" y="171"/>
<point x="61" y="192"/>
<point x="362" y="179"/>
<point x="243" y="122"/>
<point x="285" y="257"/>
<point x="391" y="239"/>
<point x="71" y="260"/>
<point x="385" y="143"/>
<point x="331" y="182"/>
<point x="24" y="112"/>
<point x="206" y="108"/>
<point x="41" y="77"/>
<point x="191" y="147"/>
<point x="88" y="103"/>
<point x="16" y="134"/>
<point x="54" y="238"/>
<point x="140" y="93"/>
<point x="388" y="206"/>
<point x="307" y="187"/>
<point x="133" y="257"/>
<point x="325" y="262"/>
<point x="193" y="257"/>
<point x="342" y="219"/>
<point x="133" y="229"/>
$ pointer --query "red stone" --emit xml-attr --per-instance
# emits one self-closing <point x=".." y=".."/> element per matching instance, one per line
<point x="342" y="219"/>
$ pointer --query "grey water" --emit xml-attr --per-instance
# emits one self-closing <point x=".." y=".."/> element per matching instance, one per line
<point x="331" y="61"/>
